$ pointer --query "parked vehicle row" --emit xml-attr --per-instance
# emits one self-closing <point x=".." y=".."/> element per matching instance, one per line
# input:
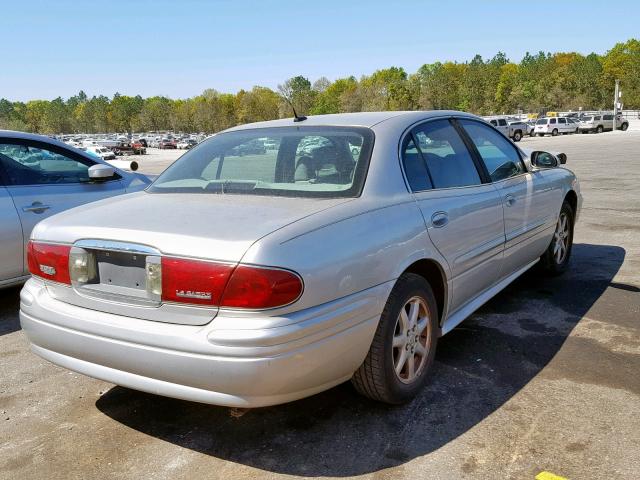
<point x="260" y="278"/>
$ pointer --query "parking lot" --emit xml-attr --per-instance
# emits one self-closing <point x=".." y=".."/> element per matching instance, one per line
<point x="545" y="377"/>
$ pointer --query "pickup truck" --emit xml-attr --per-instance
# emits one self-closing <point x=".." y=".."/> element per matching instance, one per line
<point x="512" y="128"/>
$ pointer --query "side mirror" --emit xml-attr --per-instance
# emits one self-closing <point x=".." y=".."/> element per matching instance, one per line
<point x="544" y="160"/>
<point x="101" y="172"/>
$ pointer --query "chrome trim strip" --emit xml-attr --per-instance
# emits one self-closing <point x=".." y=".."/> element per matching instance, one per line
<point x="114" y="246"/>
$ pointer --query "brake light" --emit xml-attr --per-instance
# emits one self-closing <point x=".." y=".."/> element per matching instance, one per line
<point x="49" y="261"/>
<point x="257" y="287"/>
<point x="225" y="285"/>
<point x="193" y="281"/>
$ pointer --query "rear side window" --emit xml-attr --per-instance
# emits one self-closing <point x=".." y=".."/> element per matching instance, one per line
<point x="553" y="121"/>
<point x="499" y="155"/>
<point x="447" y="160"/>
<point x="502" y="123"/>
<point x="607" y="117"/>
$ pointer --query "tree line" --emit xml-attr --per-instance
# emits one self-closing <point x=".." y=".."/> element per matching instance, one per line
<point x="540" y="82"/>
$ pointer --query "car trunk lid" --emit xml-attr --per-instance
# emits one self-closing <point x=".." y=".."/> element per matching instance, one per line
<point x="124" y="234"/>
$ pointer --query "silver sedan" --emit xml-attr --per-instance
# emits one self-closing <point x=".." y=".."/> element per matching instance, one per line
<point x="40" y="177"/>
<point x="250" y="276"/>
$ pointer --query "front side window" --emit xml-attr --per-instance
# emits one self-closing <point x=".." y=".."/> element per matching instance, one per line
<point x="447" y="159"/>
<point x="284" y="161"/>
<point x="499" y="155"/>
<point x="30" y="165"/>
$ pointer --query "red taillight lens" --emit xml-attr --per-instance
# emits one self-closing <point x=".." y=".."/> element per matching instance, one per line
<point x="49" y="261"/>
<point x="193" y="281"/>
<point x="255" y="287"/>
<point x="218" y="284"/>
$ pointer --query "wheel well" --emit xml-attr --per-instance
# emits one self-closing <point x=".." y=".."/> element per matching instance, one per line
<point x="432" y="273"/>
<point x="572" y="198"/>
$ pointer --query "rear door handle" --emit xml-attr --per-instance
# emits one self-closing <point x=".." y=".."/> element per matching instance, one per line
<point x="36" y="207"/>
<point x="509" y="200"/>
<point x="439" y="219"/>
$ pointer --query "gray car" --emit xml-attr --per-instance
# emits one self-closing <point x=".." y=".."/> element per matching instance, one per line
<point x="40" y="177"/>
<point x="343" y="253"/>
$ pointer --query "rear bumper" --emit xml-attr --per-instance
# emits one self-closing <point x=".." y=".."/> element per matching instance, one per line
<point x="244" y="367"/>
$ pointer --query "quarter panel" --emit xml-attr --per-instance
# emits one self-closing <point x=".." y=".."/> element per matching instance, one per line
<point x="351" y="254"/>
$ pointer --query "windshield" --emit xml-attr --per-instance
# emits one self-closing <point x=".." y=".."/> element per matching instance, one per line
<point x="285" y="161"/>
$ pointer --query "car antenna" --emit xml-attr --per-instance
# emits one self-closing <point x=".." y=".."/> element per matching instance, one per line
<point x="296" y="118"/>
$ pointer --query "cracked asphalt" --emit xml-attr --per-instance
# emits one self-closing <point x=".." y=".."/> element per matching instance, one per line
<point x="545" y="377"/>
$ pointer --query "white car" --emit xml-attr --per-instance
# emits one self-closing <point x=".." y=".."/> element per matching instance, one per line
<point x="555" y="126"/>
<point x="102" y="152"/>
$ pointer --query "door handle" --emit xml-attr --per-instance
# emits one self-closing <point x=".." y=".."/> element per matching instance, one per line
<point x="509" y="200"/>
<point x="439" y="219"/>
<point x="36" y="207"/>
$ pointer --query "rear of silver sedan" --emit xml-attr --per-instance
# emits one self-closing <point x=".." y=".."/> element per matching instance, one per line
<point x="151" y="291"/>
<point x="244" y="361"/>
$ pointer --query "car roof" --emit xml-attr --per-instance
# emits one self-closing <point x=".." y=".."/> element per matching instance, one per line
<point x="29" y="136"/>
<point x="356" y="119"/>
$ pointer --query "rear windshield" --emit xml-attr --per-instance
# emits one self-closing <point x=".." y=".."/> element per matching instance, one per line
<point x="542" y="121"/>
<point x="292" y="161"/>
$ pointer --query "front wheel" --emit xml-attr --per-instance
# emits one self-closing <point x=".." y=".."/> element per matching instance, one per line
<point x="555" y="259"/>
<point x="624" y="127"/>
<point x="404" y="345"/>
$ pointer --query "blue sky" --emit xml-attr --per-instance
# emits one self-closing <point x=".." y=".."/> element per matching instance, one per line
<point x="179" y="48"/>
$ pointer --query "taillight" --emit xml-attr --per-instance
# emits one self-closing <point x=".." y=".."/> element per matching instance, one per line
<point x="49" y="261"/>
<point x="193" y="281"/>
<point x="257" y="287"/>
<point x="225" y="285"/>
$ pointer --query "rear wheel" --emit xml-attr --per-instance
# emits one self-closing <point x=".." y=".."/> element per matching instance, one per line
<point x="401" y="354"/>
<point x="599" y="129"/>
<point x="517" y="136"/>
<point x="555" y="132"/>
<point x="555" y="259"/>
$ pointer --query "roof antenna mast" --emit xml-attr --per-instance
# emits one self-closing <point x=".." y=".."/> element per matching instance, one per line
<point x="296" y="118"/>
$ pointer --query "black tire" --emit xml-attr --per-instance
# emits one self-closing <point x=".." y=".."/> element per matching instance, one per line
<point x="517" y="136"/>
<point x="550" y="261"/>
<point x="376" y="378"/>
<point x="624" y="127"/>
<point x="554" y="133"/>
<point x="532" y="133"/>
<point x="599" y="129"/>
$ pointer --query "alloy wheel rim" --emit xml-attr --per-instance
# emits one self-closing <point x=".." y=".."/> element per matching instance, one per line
<point x="411" y="340"/>
<point x="561" y="239"/>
